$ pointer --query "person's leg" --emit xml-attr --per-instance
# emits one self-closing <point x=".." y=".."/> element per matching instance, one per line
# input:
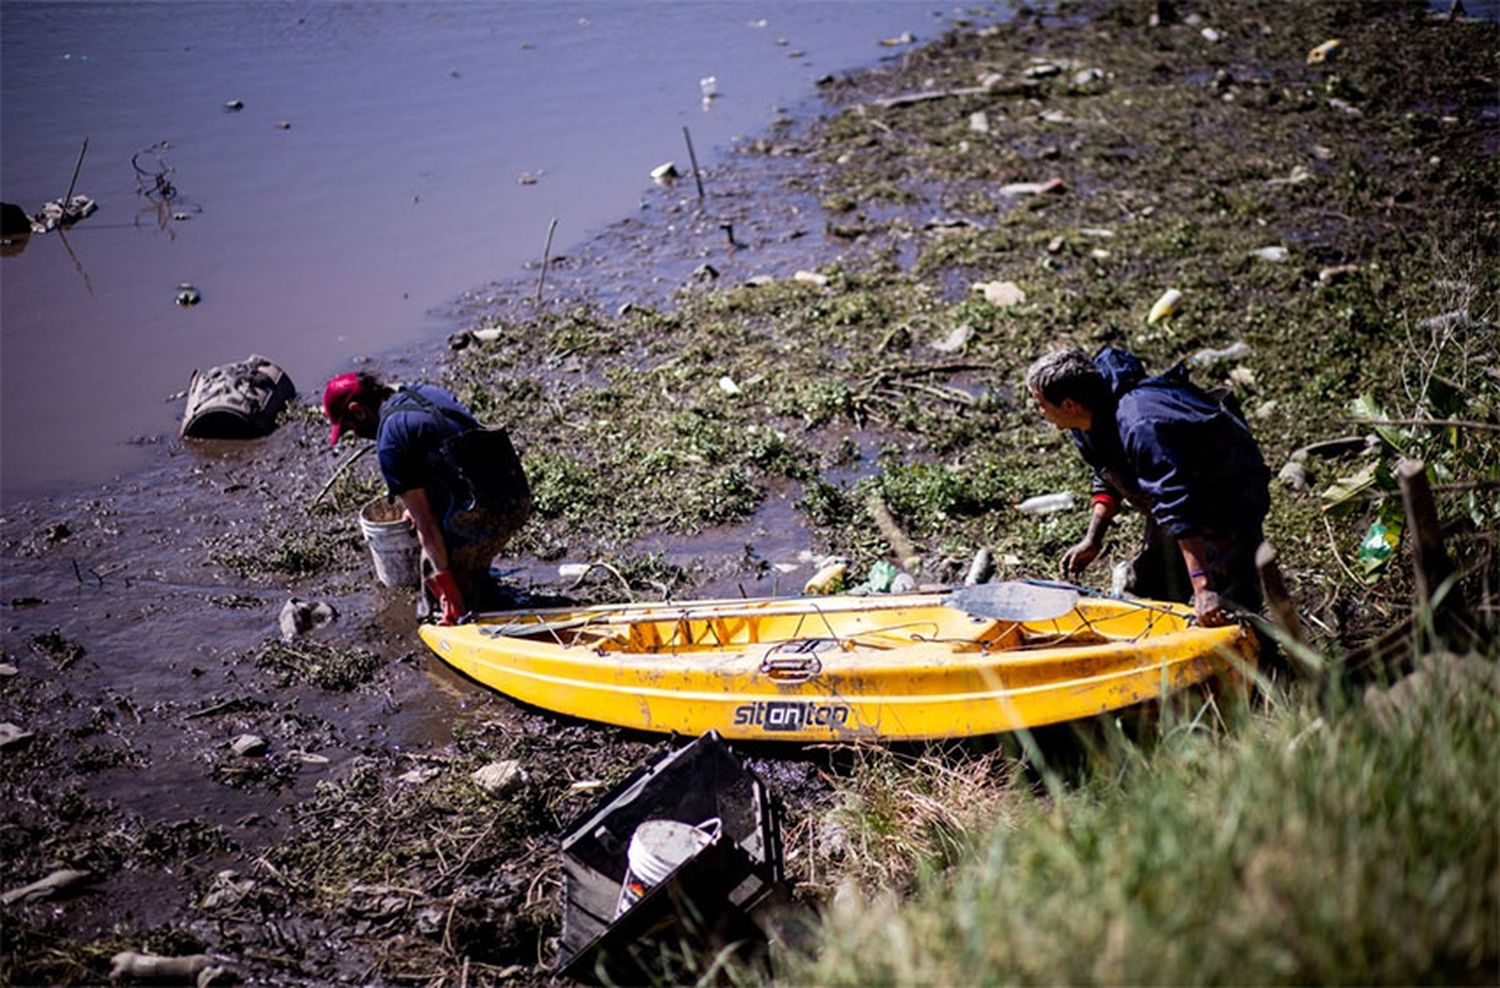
<point x="1157" y="571"/>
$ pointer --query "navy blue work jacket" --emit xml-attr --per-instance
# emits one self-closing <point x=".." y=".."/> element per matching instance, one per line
<point x="1172" y="450"/>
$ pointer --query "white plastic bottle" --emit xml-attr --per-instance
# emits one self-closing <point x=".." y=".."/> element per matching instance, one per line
<point x="1045" y="504"/>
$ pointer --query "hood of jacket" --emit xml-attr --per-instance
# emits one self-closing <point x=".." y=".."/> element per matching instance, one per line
<point x="1122" y="369"/>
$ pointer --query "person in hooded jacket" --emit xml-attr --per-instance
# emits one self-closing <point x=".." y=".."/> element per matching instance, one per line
<point x="1178" y="455"/>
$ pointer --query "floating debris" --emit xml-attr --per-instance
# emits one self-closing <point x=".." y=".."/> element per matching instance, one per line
<point x="1049" y="187"/>
<point x="188" y="295"/>
<point x="1209" y="356"/>
<point x="1337" y="273"/>
<point x="60" y="881"/>
<point x="249" y="746"/>
<point x="60" y="213"/>
<point x="1001" y="293"/>
<point x="1325" y="52"/>
<point x="235" y="105"/>
<point x="1165" y="307"/>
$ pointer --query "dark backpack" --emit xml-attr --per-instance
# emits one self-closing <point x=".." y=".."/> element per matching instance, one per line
<point x="491" y="497"/>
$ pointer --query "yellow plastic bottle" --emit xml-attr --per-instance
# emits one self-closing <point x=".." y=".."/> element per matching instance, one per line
<point x="829" y="579"/>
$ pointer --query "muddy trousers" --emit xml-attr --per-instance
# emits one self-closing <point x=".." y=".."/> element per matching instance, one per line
<point x="1158" y="572"/>
<point x="470" y="566"/>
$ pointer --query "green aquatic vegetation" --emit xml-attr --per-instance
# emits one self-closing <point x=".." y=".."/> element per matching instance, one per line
<point x="327" y="667"/>
<point x="297" y="554"/>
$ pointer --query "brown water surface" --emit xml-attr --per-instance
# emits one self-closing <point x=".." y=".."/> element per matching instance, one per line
<point x="387" y="158"/>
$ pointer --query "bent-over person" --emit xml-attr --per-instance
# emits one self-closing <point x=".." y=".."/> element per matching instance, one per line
<point x="1178" y="455"/>
<point x="411" y="426"/>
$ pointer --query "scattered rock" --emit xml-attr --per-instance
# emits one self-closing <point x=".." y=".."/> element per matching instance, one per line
<point x="12" y="736"/>
<point x="500" y="778"/>
<point x="904" y="38"/>
<point x="460" y="340"/>
<point x="979" y="122"/>
<point x="727" y="385"/>
<point x="300" y="617"/>
<point x="7" y="670"/>
<point x="664" y="172"/>
<point x="1212" y="36"/>
<point x="60" y="881"/>
<point x="1001" y="293"/>
<point x="705" y="273"/>
<point x="249" y="746"/>
<point x="811" y="278"/>
<point x="1295" y="475"/>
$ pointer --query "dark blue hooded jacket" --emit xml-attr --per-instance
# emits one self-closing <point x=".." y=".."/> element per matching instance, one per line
<point x="1169" y="448"/>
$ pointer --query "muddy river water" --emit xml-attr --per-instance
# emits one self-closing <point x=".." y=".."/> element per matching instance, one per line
<point x="385" y="158"/>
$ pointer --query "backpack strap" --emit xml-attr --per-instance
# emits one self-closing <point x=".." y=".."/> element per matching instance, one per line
<point x="440" y="415"/>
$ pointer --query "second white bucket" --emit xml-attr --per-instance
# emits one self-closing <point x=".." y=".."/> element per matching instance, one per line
<point x="656" y="849"/>
<point x="393" y="544"/>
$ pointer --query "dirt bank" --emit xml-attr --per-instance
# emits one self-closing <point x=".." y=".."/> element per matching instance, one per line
<point x="140" y="620"/>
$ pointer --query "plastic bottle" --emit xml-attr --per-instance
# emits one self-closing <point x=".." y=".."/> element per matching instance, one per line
<point x="1044" y="504"/>
<point x="829" y="579"/>
<point x="1165" y="306"/>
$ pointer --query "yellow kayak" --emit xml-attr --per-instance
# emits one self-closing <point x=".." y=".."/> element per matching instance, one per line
<point x="810" y="669"/>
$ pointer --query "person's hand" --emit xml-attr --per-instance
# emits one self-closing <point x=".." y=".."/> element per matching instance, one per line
<point x="1209" y="609"/>
<point x="445" y="589"/>
<point x="1077" y="559"/>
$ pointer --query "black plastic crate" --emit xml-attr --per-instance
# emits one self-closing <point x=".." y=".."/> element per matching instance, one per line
<point x="705" y="903"/>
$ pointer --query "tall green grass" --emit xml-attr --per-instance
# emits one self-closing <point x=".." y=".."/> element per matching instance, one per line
<point x="1311" y="843"/>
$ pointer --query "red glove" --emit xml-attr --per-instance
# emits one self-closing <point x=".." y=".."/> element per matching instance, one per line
<point x="445" y="589"/>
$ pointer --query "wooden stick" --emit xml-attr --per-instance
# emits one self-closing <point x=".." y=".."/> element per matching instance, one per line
<point x="901" y="546"/>
<point x="546" y="258"/>
<point x="339" y="470"/>
<point x="76" y="168"/>
<point x="694" y="159"/>
<point x="1278" y="600"/>
<point x="1432" y="423"/>
<point x="1431" y="567"/>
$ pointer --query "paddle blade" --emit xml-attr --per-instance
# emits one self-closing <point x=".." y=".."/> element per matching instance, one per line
<point x="1014" y="600"/>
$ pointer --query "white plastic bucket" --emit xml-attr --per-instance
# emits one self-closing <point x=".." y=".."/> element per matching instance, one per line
<point x="393" y="544"/>
<point x="657" y="848"/>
